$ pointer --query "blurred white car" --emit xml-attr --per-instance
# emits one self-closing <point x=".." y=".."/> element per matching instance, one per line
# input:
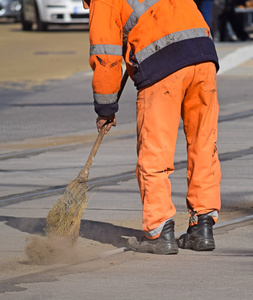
<point x="10" y="9"/>
<point x="48" y="12"/>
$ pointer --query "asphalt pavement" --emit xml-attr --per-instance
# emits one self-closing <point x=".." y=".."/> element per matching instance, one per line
<point x="46" y="139"/>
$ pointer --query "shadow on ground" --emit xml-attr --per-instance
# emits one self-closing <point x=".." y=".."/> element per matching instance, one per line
<point x="105" y="233"/>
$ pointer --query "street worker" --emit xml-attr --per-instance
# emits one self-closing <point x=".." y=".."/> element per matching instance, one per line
<point x="171" y="57"/>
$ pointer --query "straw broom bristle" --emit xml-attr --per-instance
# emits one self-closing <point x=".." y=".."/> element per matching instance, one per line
<point x="64" y="218"/>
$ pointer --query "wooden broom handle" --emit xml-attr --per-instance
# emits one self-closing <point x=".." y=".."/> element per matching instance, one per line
<point x="84" y="173"/>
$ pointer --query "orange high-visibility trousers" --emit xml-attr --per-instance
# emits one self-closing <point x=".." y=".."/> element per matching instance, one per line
<point x="190" y="93"/>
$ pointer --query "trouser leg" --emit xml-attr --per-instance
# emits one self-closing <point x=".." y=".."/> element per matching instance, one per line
<point x="158" y="116"/>
<point x="200" y="115"/>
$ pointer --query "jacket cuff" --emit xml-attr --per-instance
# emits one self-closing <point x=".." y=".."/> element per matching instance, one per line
<point x="104" y="110"/>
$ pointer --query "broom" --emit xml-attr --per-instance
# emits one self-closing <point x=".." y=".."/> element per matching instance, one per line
<point x="64" y="218"/>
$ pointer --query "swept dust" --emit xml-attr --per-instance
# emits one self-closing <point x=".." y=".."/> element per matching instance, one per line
<point x="51" y="250"/>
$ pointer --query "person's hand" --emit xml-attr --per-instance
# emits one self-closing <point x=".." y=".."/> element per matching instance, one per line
<point x="111" y="120"/>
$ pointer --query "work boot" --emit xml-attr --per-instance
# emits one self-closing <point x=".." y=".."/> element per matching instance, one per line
<point x="164" y="244"/>
<point x="199" y="237"/>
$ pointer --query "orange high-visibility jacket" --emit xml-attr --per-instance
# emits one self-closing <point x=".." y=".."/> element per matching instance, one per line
<point x="155" y="37"/>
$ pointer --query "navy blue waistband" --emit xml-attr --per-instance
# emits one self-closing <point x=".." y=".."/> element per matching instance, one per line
<point x="173" y="58"/>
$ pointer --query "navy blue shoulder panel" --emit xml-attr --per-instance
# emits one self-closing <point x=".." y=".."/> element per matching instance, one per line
<point x="173" y="58"/>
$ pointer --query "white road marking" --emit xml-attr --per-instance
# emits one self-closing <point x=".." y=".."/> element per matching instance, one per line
<point x="235" y="58"/>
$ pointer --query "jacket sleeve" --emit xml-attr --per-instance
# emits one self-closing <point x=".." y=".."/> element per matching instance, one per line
<point x="105" y="54"/>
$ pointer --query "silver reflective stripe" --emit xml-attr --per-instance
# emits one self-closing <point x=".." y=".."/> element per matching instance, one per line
<point x="157" y="230"/>
<point x="105" y="99"/>
<point x="105" y="49"/>
<point x="133" y="3"/>
<point x="139" y="9"/>
<point x="213" y="214"/>
<point x="168" y="40"/>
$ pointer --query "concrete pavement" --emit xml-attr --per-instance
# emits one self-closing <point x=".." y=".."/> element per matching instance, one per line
<point x="100" y="267"/>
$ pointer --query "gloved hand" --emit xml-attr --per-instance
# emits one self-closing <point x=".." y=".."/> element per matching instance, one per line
<point x="111" y="120"/>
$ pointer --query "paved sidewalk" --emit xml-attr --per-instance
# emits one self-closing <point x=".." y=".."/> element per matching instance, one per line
<point x="100" y="267"/>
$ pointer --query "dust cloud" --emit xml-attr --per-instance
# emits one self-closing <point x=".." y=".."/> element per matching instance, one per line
<point x="51" y="250"/>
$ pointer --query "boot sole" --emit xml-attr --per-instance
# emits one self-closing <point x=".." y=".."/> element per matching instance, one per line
<point x="196" y="244"/>
<point x="159" y="249"/>
<point x="145" y="247"/>
<point x="200" y="245"/>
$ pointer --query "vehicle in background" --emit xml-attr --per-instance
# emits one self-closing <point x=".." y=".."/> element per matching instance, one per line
<point x="10" y="9"/>
<point x="43" y="13"/>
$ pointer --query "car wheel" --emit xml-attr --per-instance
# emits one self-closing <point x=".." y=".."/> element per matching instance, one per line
<point x="41" y="26"/>
<point x="26" y="25"/>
